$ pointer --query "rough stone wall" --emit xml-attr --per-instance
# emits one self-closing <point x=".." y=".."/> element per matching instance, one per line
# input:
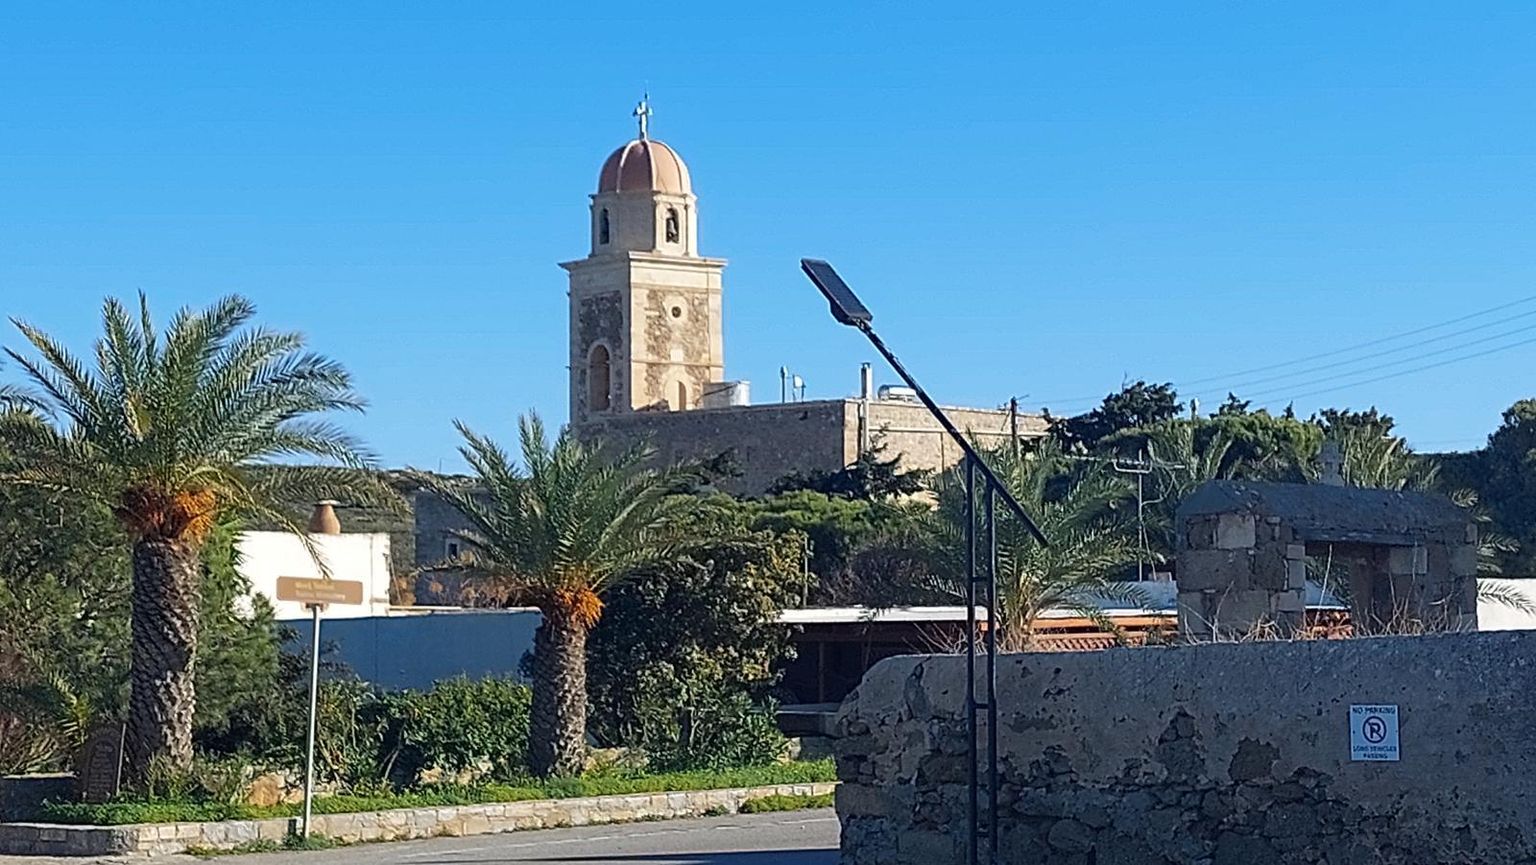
<point x="906" y="428"/>
<point x="678" y="339"/>
<point x="776" y="439"/>
<point x="768" y="441"/>
<point x="436" y="522"/>
<point x="1237" y="571"/>
<point x="1221" y="754"/>
<point x="598" y="319"/>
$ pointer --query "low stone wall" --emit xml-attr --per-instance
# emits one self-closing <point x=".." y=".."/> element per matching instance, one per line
<point x="1225" y="754"/>
<point x="41" y="839"/>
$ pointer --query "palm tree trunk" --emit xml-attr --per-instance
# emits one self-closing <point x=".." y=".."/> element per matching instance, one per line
<point x="165" y="613"/>
<point x="557" y="734"/>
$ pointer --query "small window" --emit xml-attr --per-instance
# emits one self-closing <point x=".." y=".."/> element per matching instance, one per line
<point x="674" y="231"/>
<point x="598" y="379"/>
<point x="682" y="397"/>
<point x="453" y="548"/>
<point x="602" y="226"/>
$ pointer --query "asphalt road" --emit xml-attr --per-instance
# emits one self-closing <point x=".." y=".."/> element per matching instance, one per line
<point x="792" y="838"/>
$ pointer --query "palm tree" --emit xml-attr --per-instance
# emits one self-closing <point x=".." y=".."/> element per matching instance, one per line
<point x="1090" y="543"/>
<point x="172" y="433"/>
<point x="554" y="534"/>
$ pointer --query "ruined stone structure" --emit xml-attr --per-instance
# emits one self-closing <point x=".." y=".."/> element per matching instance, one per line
<point x="1409" y="559"/>
<point x="1220" y="754"/>
<point x="647" y="356"/>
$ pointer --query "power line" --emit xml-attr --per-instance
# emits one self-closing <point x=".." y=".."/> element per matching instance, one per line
<point x="1371" y="343"/>
<point x="1390" y="364"/>
<point x="1089" y="400"/>
<point x="1400" y="373"/>
<point x="1418" y="345"/>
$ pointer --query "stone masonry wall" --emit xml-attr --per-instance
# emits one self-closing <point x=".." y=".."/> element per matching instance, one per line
<point x="769" y="441"/>
<point x="1237" y="571"/>
<point x="772" y="440"/>
<point x="1219" y="754"/>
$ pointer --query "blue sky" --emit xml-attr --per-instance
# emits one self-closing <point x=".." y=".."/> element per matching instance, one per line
<point x="1034" y="199"/>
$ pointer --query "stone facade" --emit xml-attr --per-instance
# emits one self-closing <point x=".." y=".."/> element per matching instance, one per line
<point x="38" y="839"/>
<point x="772" y="440"/>
<point x="645" y="306"/>
<point x="1222" y="754"/>
<point x="1410" y="558"/>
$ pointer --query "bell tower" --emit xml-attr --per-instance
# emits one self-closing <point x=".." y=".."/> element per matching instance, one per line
<point x="645" y="319"/>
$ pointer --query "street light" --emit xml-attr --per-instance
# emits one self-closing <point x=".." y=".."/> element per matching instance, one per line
<point x="849" y="310"/>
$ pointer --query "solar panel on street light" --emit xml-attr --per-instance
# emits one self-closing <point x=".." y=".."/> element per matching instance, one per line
<point x="846" y="307"/>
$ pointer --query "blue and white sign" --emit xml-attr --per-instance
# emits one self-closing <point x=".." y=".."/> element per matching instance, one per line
<point x="1373" y="733"/>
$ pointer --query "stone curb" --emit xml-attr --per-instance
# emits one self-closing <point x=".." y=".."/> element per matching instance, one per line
<point x="159" y="839"/>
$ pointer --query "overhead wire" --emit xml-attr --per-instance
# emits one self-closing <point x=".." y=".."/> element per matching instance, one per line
<point x="1234" y="388"/>
<point x="1243" y="385"/>
<point x="1398" y="362"/>
<point x="1428" y="366"/>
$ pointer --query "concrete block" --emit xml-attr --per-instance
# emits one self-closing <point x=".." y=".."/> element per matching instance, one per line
<point x="1289" y="602"/>
<point x="1238" y="612"/>
<point x="1200" y="570"/>
<point x="1270" y="569"/>
<point x="1296" y="551"/>
<point x="1199" y="533"/>
<point x="1296" y="573"/>
<point x="1235" y="531"/>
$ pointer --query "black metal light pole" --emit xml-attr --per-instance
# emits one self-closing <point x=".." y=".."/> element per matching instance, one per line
<point x="979" y="582"/>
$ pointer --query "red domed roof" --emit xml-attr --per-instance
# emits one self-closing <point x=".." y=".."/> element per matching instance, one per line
<point x="644" y="165"/>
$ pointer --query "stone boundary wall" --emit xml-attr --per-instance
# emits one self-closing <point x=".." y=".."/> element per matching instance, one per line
<point x="1217" y="754"/>
<point x="43" y="839"/>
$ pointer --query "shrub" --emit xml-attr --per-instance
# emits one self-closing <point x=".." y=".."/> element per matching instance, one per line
<point x="461" y="726"/>
<point x="686" y="648"/>
<point x="720" y="729"/>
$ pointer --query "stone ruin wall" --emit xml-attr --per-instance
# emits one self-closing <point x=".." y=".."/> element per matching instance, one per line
<point x="1219" y="754"/>
<point x="1236" y="570"/>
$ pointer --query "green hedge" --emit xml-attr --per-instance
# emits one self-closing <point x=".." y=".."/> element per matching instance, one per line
<point x="125" y="812"/>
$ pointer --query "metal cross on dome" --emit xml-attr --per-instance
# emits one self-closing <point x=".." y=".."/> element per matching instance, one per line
<point x="642" y="113"/>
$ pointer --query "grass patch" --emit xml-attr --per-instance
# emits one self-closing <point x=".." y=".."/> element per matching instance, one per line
<point x="786" y="803"/>
<point x="604" y="784"/>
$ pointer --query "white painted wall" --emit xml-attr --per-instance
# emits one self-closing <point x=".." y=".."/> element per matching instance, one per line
<point x="262" y="557"/>
<point x="1493" y="616"/>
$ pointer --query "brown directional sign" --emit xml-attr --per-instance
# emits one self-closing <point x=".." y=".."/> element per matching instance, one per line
<point x="307" y="590"/>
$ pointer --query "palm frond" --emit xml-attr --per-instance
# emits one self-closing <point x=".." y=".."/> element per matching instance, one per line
<point x="189" y="414"/>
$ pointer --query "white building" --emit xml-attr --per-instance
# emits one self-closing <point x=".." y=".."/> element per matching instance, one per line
<point x="262" y="557"/>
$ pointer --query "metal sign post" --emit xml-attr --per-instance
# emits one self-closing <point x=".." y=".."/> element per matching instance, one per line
<point x="315" y="594"/>
<point x="980" y="581"/>
<point x="314" y="705"/>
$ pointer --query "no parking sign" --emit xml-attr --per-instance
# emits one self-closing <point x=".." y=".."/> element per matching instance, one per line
<point x="1373" y="733"/>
